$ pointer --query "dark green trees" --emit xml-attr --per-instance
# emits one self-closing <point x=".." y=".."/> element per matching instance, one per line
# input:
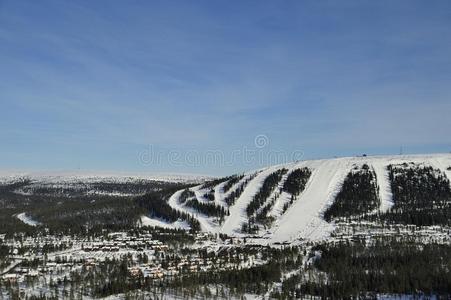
<point x="295" y="184"/>
<point x="358" y="195"/>
<point x="421" y="196"/>
<point x="265" y="191"/>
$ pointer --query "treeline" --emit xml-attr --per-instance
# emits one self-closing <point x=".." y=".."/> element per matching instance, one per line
<point x="212" y="183"/>
<point x="12" y="204"/>
<point x="210" y="195"/>
<point x="258" y="209"/>
<point x="12" y="186"/>
<point x="237" y="281"/>
<point x="156" y="205"/>
<point x="81" y="215"/>
<point x="4" y="256"/>
<point x="359" y="195"/>
<point x="234" y="195"/>
<point x="80" y="188"/>
<point x="356" y="270"/>
<point x="208" y="209"/>
<point x="295" y="184"/>
<point x="68" y="215"/>
<point x="421" y="196"/>
<point x="231" y="182"/>
<point x="269" y="184"/>
<point x="253" y="280"/>
<point x="296" y="181"/>
<point x="262" y="216"/>
<point x="185" y="195"/>
<point x="118" y="281"/>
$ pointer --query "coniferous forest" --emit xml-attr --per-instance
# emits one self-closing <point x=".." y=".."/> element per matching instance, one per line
<point x="209" y="209"/>
<point x="387" y="266"/>
<point x="359" y="195"/>
<point x="231" y="182"/>
<point x="421" y="196"/>
<point x="295" y="184"/>
<point x="235" y="194"/>
<point x="402" y="251"/>
<point x="269" y="185"/>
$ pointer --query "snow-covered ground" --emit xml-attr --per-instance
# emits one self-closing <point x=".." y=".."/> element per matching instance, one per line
<point x="385" y="194"/>
<point x="206" y="223"/>
<point x="93" y="177"/>
<point x="147" y="221"/>
<point x="238" y="216"/>
<point x="303" y="219"/>
<point x="27" y="220"/>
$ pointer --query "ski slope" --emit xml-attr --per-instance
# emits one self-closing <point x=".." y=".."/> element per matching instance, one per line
<point x="238" y="216"/>
<point x="304" y="218"/>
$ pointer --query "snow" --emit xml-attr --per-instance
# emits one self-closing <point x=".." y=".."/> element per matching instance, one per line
<point x="303" y="219"/>
<point x="113" y="194"/>
<point x="199" y="192"/>
<point x="284" y="197"/>
<point x="442" y="163"/>
<point x="153" y="222"/>
<point x="27" y="220"/>
<point x="385" y="194"/>
<point x="205" y="223"/>
<point x="219" y="193"/>
<point x="92" y="177"/>
<point x="238" y="216"/>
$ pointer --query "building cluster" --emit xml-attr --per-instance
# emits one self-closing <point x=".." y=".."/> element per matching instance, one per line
<point x="426" y="234"/>
<point x="64" y="254"/>
<point x="121" y="241"/>
<point x="185" y="265"/>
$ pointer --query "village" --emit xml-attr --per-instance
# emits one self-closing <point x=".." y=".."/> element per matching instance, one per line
<point x="41" y="261"/>
<point x="352" y="231"/>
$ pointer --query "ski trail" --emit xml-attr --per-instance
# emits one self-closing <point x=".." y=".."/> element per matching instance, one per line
<point x="205" y="223"/>
<point x="383" y="181"/>
<point x="283" y="197"/>
<point x="303" y="219"/>
<point x="238" y="216"/>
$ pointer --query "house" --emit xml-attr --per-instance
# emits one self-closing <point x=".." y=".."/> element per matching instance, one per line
<point x="13" y="278"/>
<point x="134" y="271"/>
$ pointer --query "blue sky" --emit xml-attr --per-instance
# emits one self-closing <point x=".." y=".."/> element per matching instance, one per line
<point x="93" y="85"/>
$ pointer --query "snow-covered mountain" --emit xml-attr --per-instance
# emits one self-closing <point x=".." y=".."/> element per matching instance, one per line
<point x="94" y="176"/>
<point x="94" y="183"/>
<point x="302" y="218"/>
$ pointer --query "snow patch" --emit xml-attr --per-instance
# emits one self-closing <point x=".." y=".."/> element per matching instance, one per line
<point x="27" y="220"/>
<point x="153" y="222"/>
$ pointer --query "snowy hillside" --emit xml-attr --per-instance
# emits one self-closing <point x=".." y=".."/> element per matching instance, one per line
<point x="293" y="217"/>
<point x="107" y="184"/>
<point x="91" y="177"/>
